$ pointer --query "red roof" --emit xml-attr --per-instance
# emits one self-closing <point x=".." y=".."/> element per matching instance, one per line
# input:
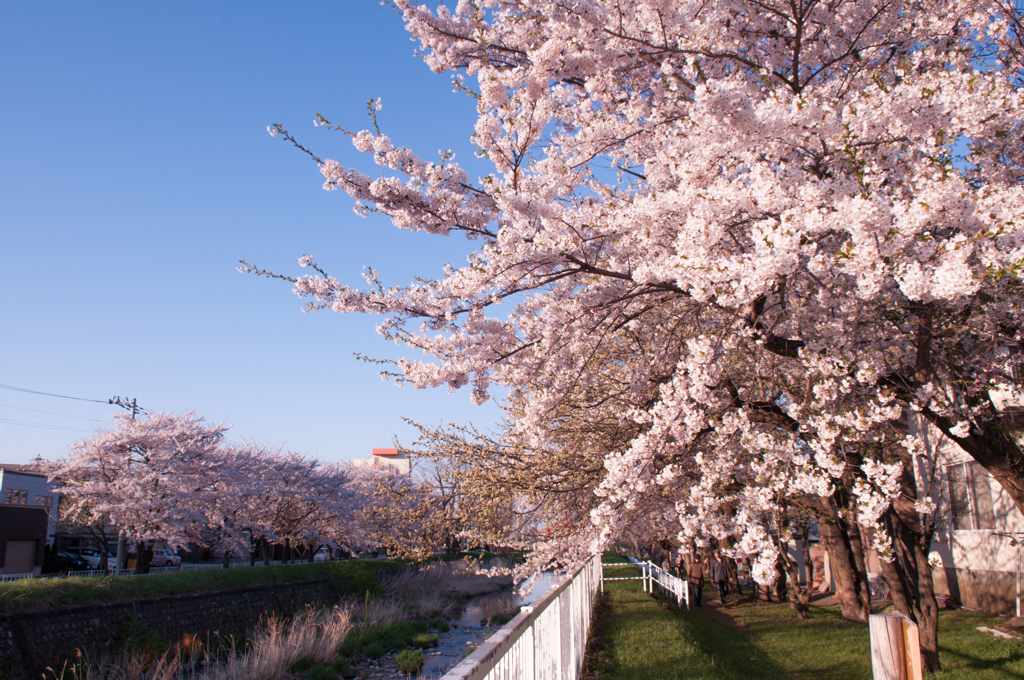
<point x="385" y="452"/>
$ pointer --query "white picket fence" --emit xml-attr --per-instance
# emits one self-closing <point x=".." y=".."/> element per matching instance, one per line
<point x="653" y="576"/>
<point x="667" y="584"/>
<point x="546" y="641"/>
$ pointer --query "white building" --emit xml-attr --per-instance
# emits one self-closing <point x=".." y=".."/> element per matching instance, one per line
<point x="392" y="461"/>
<point x="978" y="526"/>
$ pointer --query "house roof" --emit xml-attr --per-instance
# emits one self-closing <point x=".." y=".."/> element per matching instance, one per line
<point x="29" y="469"/>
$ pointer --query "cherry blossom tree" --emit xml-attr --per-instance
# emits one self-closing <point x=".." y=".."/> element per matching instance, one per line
<point x="172" y="479"/>
<point x="155" y="478"/>
<point x="302" y="502"/>
<point x="748" y="233"/>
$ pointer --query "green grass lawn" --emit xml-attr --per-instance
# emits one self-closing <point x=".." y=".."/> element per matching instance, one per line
<point x="356" y="576"/>
<point x="638" y="636"/>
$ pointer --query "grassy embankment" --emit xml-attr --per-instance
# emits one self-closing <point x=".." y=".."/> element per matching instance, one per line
<point x="355" y="576"/>
<point x="637" y="636"/>
<point x="390" y="611"/>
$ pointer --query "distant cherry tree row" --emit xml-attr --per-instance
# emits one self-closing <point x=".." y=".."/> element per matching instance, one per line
<point x="173" y="480"/>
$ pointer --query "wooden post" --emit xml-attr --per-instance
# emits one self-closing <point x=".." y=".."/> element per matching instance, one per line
<point x="912" y="645"/>
<point x="895" y="648"/>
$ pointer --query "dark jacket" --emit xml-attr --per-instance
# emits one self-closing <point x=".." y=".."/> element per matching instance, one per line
<point x="719" y="570"/>
<point x="695" y="574"/>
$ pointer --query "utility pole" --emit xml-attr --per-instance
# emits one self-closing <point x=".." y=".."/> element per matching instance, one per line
<point x="127" y="405"/>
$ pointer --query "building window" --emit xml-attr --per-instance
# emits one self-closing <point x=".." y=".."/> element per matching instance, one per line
<point x="44" y="501"/>
<point x="970" y="497"/>
<point x="16" y="496"/>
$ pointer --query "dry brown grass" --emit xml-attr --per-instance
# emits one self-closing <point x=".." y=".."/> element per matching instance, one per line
<point x="430" y="592"/>
<point x="276" y="645"/>
<point x="413" y="593"/>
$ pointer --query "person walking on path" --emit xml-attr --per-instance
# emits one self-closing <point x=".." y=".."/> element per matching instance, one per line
<point x="695" y="577"/>
<point x="719" y="572"/>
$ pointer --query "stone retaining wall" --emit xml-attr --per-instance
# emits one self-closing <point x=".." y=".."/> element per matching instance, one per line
<point x="32" y="641"/>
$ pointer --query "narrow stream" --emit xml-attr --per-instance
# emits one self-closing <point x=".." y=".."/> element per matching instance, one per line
<point x="470" y="630"/>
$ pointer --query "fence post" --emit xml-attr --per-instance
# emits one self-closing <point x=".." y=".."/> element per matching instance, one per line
<point x="895" y="648"/>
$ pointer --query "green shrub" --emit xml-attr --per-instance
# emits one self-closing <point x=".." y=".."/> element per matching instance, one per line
<point x="396" y="638"/>
<point x="439" y="625"/>
<point x="372" y="642"/>
<point x="409" y="661"/>
<point x="323" y="673"/>
<point x="399" y="635"/>
<point x="343" y="668"/>
<point x="424" y="640"/>
<point x="303" y="663"/>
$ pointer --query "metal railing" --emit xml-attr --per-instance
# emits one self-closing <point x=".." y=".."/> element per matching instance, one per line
<point x="653" y="577"/>
<point x="668" y="584"/>
<point x="644" y="576"/>
<point x="547" y="640"/>
<point x="13" y="577"/>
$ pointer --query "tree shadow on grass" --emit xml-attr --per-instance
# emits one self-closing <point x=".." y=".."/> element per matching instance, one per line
<point x="733" y="651"/>
<point x="757" y="647"/>
<point x="972" y="663"/>
<point x="645" y="638"/>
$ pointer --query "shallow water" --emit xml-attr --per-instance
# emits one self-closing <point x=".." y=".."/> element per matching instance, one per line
<point x="470" y="630"/>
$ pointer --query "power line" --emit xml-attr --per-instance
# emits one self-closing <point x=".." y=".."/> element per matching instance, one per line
<point x="42" y="425"/>
<point x="116" y="401"/>
<point x="52" y="413"/>
<point x="50" y="394"/>
<point x="14" y="439"/>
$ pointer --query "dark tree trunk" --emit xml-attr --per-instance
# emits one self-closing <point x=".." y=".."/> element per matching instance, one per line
<point x="143" y="557"/>
<point x="781" y="581"/>
<point x="841" y="560"/>
<point x="927" y="610"/>
<point x="859" y="560"/>
<point x="911" y="581"/>
<point x="805" y="544"/>
<point x="799" y="596"/>
<point x="900" y="600"/>
<point x="226" y="559"/>
<point x="734" y="574"/>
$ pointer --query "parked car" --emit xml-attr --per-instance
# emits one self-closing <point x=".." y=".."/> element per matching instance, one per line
<point x="164" y="557"/>
<point x="94" y="557"/>
<point x="322" y="555"/>
<point x="73" y="562"/>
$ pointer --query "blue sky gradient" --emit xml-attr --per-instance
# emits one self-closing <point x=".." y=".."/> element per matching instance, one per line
<point x="136" y="170"/>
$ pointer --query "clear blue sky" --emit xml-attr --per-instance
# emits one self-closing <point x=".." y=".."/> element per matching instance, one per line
<point x="136" y="170"/>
